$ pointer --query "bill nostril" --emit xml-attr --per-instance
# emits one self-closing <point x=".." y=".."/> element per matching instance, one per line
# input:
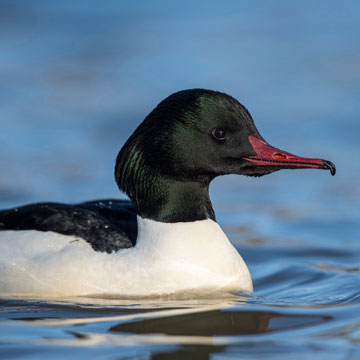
<point x="279" y="156"/>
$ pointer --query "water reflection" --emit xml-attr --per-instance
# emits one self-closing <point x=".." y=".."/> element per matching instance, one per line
<point x="219" y="322"/>
<point x="179" y="329"/>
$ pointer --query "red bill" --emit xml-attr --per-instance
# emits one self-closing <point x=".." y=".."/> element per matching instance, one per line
<point x="269" y="156"/>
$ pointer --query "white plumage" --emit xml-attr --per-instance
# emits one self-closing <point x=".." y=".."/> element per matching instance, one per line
<point x="169" y="258"/>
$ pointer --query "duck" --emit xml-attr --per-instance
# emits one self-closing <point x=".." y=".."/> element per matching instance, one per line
<point x="163" y="241"/>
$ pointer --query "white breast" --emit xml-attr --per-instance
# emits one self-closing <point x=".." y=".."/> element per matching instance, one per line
<point x="168" y="258"/>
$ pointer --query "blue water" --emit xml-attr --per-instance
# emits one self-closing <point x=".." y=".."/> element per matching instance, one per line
<point x="78" y="77"/>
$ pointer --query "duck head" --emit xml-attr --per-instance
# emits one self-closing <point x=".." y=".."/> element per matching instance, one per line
<point x="191" y="137"/>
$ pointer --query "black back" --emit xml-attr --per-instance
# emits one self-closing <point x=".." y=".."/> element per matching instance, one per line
<point x="108" y="225"/>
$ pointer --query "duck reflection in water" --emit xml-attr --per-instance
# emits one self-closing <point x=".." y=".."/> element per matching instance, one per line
<point x="207" y="332"/>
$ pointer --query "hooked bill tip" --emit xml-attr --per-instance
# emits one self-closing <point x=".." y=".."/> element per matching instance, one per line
<point x="331" y="166"/>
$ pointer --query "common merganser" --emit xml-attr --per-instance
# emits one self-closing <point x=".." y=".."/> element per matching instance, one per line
<point x="166" y="240"/>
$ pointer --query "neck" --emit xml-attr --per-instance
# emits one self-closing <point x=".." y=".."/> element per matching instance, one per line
<point x="160" y="198"/>
<point x="172" y="201"/>
<point x="179" y="202"/>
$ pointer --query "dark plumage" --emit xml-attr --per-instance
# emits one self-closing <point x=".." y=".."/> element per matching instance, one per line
<point x="108" y="225"/>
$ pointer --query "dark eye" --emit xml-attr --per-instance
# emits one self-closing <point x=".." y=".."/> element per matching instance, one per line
<point x="219" y="134"/>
